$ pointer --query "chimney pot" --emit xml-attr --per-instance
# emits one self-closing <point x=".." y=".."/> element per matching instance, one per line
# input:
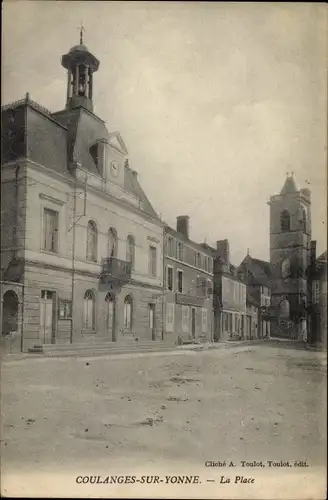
<point x="183" y="225"/>
<point x="222" y="247"/>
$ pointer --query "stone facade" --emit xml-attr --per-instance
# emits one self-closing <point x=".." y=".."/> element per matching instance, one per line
<point x="78" y="233"/>
<point x="188" y="287"/>
<point x="290" y="242"/>
<point x="229" y="299"/>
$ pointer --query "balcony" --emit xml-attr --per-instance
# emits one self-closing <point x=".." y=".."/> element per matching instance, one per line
<point x="189" y="300"/>
<point x="114" y="269"/>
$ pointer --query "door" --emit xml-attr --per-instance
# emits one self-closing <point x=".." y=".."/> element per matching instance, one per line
<point x="110" y="317"/>
<point x="193" y="323"/>
<point x="46" y="317"/>
<point x="249" y="327"/>
<point x="152" y="320"/>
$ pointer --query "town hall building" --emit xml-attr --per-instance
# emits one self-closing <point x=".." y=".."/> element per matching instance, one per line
<point x="81" y="246"/>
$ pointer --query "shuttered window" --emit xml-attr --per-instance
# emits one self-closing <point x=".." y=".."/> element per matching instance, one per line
<point x="169" y="282"/>
<point x="152" y="261"/>
<point x="89" y="310"/>
<point x="50" y="230"/>
<point x="185" y="318"/>
<point x="128" y="313"/>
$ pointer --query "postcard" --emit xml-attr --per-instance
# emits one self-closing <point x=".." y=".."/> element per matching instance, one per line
<point x="163" y="250"/>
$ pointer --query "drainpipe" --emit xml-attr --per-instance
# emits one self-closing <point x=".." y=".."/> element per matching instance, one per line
<point x="163" y="300"/>
<point x="15" y="231"/>
<point x="73" y="262"/>
<point x="15" y="250"/>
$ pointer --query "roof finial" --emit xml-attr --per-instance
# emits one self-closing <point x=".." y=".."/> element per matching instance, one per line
<point x="293" y="174"/>
<point x="287" y="174"/>
<point x="81" y="33"/>
<point x="247" y="251"/>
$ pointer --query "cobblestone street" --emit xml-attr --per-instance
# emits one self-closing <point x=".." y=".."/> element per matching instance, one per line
<point x="166" y="413"/>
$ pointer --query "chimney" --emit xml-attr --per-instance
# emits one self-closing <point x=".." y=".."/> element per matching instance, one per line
<point x="223" y="252"/>
<point x="183" y="225"/>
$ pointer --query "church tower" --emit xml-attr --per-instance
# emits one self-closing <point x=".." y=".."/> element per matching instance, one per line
<point x="290" y="246"/>
<point x="80" y="65"/>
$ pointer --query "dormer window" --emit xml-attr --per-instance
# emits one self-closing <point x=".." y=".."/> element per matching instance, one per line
<point x="98" y="152"/>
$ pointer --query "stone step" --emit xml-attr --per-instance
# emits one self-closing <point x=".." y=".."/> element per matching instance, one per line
<point x="89" y="349"/>
<point x="101" y="352"/>
<point x="36" y="350"/>
<point x="105" y="345"/>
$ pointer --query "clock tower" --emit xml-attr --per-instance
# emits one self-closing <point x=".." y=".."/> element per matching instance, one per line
<point x="290" y="242"/>
<point x="80" y="65"/>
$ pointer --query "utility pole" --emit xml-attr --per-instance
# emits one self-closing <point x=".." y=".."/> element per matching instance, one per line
<point x="73" y="229"/>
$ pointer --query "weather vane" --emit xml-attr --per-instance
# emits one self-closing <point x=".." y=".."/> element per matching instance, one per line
<point x="81" y="28"/>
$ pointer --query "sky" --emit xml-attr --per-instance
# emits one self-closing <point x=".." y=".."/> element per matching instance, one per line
<point x="214" y="101"/>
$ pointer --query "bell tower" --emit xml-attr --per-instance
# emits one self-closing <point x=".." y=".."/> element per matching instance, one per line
<point x="80" y="65"/>
<point x="290" y="244"/>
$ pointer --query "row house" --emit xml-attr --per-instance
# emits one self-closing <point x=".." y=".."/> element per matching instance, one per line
<point x="229" y="299"/>
<point x="252" y="317"/>
<point x="188" y="269"/>
<point x="81" y="246"/>
<point x="256" y="274"/>
<point x="317" y="306"/>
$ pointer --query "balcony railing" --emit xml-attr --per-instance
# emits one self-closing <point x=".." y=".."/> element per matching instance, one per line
<point x="189" y="300"/>
<point x="115" y="269"/>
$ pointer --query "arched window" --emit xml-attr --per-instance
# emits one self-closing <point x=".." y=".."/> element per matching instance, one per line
<point x="10" y="312"/>
<point x="112" y="242"/>
<point x="284" y="308"/>
<point x="303" y="220"/>
<point x="110" y="303"/>
<point x="128" y="312"/>
<point x="92" y="237"/>
<point x="130" y="250"/>
<point x="285" y="221"/>
<point x="285" y="268"/>
<point x="89" y="310"/>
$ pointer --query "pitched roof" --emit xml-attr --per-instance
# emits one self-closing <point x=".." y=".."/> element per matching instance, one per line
<point x="132" y="185"/>
<point x="250" y="299"/>
<point x="198" y="246"/>
<point x="323" y="257"/>
<point x="56" y="139"/>
<point x="259" y="269"/>
<point x="289" y="187"/>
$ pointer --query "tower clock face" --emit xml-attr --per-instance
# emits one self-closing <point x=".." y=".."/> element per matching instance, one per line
<point x="114" y="168"/>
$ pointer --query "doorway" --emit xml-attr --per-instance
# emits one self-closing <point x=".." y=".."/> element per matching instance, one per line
<point x="110" y="316"/>
<point x="10" y="313"/>
<point x="193" y="323"/>
<point x="47" y="317"/>
<point x="152" y="321"/>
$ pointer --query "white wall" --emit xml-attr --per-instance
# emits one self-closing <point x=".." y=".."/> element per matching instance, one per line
<point x="47" y="191"/>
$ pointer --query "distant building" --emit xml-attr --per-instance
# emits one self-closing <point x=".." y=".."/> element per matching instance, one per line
<point x="290" y="243"/>
<point x="188" y="286"/>
<point x="229" y="300"/>
<point x="256" y="274"/>
<point x="252" y="317"/>
<point x="81" y="245"/>
<point x="318" y="301"/>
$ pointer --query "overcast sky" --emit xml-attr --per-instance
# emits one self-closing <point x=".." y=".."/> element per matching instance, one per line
<point x="215" y="101"/>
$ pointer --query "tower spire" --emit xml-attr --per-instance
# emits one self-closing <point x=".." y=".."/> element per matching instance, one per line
<point x="81" y="33"/>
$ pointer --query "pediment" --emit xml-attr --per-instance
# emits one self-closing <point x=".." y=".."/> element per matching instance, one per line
<point x="115" y="141"/>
